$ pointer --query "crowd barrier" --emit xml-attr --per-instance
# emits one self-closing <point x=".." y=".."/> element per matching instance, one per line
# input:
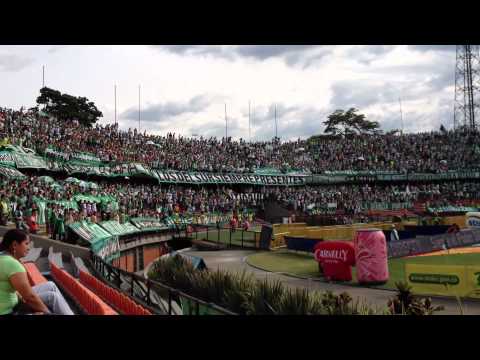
<point x="281" y="228"/>
<point x="278" y="240"/>
<point x="402" y="234"/>
<point x="301" y="244"/>
<point x="460" y="220"/>
<point x="428" y="244"/>
<point x="426" y="230"/>
<point x="332" y="232"/>
<point x="340" y="232"/>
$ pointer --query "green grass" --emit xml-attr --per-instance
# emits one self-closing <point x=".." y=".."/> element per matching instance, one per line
<point x="303" y="264"/>
<point x="299" y="263"/>
<point x="225" y="237"/>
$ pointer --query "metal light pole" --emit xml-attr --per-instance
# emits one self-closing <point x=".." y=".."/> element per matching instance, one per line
<point x="249" y="131"/>
<point x="139" y="109"/>
<point x="276" y="133"/>
<point x="115" y="92"/>
<point x="401" y="112"/>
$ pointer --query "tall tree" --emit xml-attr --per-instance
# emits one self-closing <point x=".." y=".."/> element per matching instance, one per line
<point x="348" y="122"/>
<point x="68" y="107"/>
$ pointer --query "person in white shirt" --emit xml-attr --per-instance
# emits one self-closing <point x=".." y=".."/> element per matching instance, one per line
<point x="394" y="234"/>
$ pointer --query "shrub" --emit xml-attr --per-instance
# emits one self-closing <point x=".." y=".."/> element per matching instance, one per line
<point x="245" y="295"/>
<point x="405" y="303"/>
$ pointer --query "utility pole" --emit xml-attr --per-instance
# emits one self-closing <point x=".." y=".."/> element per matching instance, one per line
<point x="43" y="76"/>
<point x="226" y="126"/>
<point x="253" y="115"/>
<point x="249" y="131"/>
<point x="276" y="133"/>
<point x="115" y="93"/>
<point x="401" y="113"/>
<point x="139" y="109"/>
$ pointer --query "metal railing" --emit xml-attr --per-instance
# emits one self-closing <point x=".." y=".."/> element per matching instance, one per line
<point x="160" y="299"/>
<point x="225" y="237"/>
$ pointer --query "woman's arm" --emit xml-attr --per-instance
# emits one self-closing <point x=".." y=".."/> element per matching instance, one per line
<point x="20" y="283"/>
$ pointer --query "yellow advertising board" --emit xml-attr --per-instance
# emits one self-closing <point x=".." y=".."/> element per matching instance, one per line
<point x="473" y="281"/>
<point x="445" y="280"/>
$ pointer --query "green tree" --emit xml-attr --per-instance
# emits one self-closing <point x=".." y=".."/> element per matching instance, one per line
<point x="68" y="107"/>
<point x="350" y="122"/>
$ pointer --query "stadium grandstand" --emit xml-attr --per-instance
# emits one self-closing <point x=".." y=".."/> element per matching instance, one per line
<point x="102" y="204"/>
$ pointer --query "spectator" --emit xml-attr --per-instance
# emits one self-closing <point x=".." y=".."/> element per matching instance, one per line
<point x="32" y="222"/>
<point x="394" y="234"/>
<point x="16" y="294"/>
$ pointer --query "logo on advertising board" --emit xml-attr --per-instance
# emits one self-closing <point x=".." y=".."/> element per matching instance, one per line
<point x="434" y="279"/>
<point x="473" y="219"/>
<point x="477" y="274"/>
<point x="331" y="255"/>
<point x="475" y="283"/>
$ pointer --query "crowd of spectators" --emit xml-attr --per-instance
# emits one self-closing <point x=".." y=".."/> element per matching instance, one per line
<point x="354" y="198"/>
<point x="423" y="152"/>
<point x="430" y="152"/>
<point x="18" y="199"/>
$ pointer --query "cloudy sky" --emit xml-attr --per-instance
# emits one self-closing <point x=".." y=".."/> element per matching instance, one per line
<point x="184" y="89"/>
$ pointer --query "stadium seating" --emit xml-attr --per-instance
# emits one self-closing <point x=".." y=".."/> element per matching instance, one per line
<point x="77" y="265"/>
<point x="33" y="255"/>
<point x="117" y="299"/>
<point x="90" y="303"/>
<point x="34" y="275"/>
<point x="55" y="258"/>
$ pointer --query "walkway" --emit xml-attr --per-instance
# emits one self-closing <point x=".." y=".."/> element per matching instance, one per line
<point x="233" y="260"/>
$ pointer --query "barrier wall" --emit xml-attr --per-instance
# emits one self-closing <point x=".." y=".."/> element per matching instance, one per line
<point x="449" y="280"/>
<point x="126" y="262"/>
<point x="332" y="232"/>
<point x="343" y="232"/>
<point x="58" y="246"/>
<point x="150" y="253"/>
<point x="279" y="239"/>
<point x="460" y="220"/>
<point x="301" y="244"/>
<point x="281" y="228"/>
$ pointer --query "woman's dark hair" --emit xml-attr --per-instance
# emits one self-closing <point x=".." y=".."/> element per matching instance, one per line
<point x="11" y="236"/>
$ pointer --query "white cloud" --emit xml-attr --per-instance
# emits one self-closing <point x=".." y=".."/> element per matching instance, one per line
<point x="13" y="62"/>
<point x="184" y="88"/>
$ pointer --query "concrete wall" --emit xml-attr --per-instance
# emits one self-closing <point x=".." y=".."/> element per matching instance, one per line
<point x="130" y="251"/>
<point x="58" y="246"/>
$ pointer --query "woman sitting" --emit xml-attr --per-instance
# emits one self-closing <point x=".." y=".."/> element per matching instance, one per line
<point x="16" y="294"/>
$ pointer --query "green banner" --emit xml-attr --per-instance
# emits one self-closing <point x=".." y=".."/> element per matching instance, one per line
<point x="87" y="157"/>
<point x="6" y="158"/>
<point x="115" y="228"/>
<point x="209" y="178"/>
<point x="10" y="173"/>
<point x="29" y="161"/>
<point x="89" y="231"/>
<point x="107" y="248"/>
<point x="87" y="198"/>
<point x="354" y="177"/>
<point x="445" y="209"/>
<point x="148" y="224"/>
<point x="58" y="154"/>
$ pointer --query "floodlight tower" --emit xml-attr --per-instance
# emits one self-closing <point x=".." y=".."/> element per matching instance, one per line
<point x="467" y="87"/>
